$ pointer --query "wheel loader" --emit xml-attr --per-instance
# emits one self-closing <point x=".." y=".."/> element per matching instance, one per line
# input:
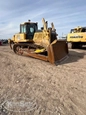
<point x="41" y="44"/>
<point x="77" y="37"/>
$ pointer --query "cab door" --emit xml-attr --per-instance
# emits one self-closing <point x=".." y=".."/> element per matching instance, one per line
<point x="30" y="30"/>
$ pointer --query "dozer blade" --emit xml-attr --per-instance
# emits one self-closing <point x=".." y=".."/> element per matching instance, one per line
<point x="57" y="51"/>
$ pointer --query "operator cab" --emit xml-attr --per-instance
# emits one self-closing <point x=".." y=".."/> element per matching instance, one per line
<point x="29" y="29"/>
<point x="79" y="29"/>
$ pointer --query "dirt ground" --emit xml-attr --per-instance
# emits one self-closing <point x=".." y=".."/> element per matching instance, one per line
<point x="56" y="90"/>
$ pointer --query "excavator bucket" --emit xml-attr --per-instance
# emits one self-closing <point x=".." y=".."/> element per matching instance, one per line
<point x="57" y="51"/>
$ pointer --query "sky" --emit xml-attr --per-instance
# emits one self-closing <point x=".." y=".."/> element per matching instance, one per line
<point x="65" y="14"/>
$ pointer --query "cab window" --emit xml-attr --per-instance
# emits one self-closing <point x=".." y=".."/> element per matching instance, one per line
<point x="83" y="30"/>
<point x="23" y="29"/>
<point x="31" y="30"/>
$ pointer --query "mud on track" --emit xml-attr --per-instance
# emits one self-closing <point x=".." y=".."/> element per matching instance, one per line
<point x="57" y="90"/>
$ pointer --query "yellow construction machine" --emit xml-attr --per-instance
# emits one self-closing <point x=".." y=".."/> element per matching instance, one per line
<point x="41" y="44"/>
<point x="77" y="37"/>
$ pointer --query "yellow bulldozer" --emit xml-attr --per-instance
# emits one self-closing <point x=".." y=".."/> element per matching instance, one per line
<point x="77" y="37"/>
<point x="41" y="44"/>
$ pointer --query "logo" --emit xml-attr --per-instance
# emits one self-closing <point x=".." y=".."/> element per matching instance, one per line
<point x="76" y="36"/>
<point x="19" y="105"/>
